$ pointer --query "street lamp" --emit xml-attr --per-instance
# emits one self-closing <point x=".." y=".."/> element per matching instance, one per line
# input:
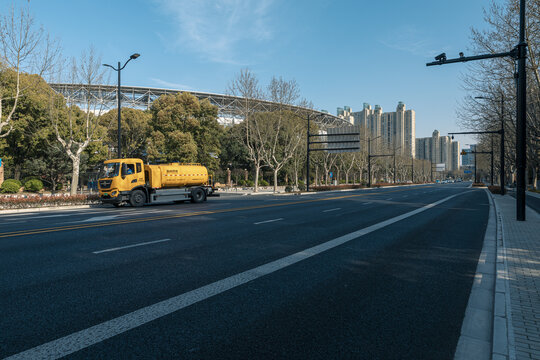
<point x="502" y="138"/>
<point x="119" y="70"/>
<point x="395" y="148"/>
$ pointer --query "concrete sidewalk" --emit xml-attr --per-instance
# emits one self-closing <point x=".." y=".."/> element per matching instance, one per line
<point x="516" y="326"/>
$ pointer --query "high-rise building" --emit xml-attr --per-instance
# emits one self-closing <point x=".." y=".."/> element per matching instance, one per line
<point x="439" y="150"/>
<point x="396" y="129"/>
<point x="345" y="113"/>
<point x="455" y="155"/>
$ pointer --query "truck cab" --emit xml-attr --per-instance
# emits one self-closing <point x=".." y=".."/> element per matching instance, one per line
<point x="119" y="178"/>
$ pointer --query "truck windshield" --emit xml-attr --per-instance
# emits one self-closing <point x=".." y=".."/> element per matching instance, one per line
<point x="109" y="170"/>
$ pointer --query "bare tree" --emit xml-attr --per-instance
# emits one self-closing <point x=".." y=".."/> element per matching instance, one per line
<point x="246" y="86"/>
<point x="24" y="47"/>
<point x="77" y="124"/>
<point x="280" y="134"/>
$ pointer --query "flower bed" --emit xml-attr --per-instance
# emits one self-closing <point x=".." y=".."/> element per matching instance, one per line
<point x="23" y="201"/>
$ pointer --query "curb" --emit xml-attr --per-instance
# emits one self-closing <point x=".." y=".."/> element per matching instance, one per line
<point x="503" y="347"/>
<point x="322" y="192"/>
<point x="49" y="208"/>
<point x="476" y="338"/>
<point x="533" y="194"/>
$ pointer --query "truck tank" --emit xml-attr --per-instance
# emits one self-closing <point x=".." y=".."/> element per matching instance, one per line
<point x="175" y="175"/>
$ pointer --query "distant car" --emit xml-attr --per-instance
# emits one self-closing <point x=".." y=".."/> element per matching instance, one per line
<point x="438" y="181"/>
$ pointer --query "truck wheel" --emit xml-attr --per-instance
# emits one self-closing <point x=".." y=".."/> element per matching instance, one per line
<point x="197" y="195"/>
<point x="137" y="198"/>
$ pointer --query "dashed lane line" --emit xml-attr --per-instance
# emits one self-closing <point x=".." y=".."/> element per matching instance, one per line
<point x="267" y="221"/>
<point x="130" y="246"/>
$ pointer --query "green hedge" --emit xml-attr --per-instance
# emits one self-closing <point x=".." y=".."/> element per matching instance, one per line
<point x="10" y="186"/>
<point x="33" y="185"/>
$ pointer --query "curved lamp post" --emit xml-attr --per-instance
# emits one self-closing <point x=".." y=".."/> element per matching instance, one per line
<point x="119" y="70"/>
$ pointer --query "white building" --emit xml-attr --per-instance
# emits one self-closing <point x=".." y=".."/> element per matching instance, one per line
<point x="396" y="129"/>
<point x="439" y="150"/>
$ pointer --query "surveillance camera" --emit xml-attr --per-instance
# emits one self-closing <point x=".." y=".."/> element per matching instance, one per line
<point x="441" y="57"/>
<point x="461" y="54"/>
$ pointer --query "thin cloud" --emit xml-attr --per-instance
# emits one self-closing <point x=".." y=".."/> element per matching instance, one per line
<point x="170" y="85"/>
<point x="216" y="29"/>
<point x="411" y="40"/>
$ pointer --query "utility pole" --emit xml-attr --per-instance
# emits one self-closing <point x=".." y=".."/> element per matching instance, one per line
<point x="475" y="178"/>
<point x="307" y="160"/>
<point x="369" y="162"/>
<point x="521" y="123"/>
<point x="394" y="163"/>
<point x="519" y="53"/>
<point x="503" y="178"/>
<point x="491" y="160"/>
<point x="412" y="169"/>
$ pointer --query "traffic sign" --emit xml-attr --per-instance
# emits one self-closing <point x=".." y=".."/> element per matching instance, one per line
<point x="468" y="172"/>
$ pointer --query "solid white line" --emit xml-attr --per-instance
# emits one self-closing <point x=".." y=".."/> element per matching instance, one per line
<point x="267" y="221"/>
<point x="129" y="246"/>
<point x="82" y="339"/>
<point x="331" y="210"/>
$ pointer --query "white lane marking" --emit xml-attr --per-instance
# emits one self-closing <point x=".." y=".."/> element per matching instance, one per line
<point x="405" y="195"/>
<point x="331" y="210"/>
<point x="368" y="203"/>
<point x="130" y="246"/>
<point x="82" y="339"/>
<point x="267" y="221"/>
<point x="51" y="216"/>
<point x="99" y="218"/>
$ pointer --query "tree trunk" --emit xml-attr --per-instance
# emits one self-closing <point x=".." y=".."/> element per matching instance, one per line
<point x="535" y="178"/>
<point x="75" y="175"/>
<point x="53" y="184"/>
<point x="17" y="172"/>
<point x="256" y="186"/>
<point x="275" y="180"/>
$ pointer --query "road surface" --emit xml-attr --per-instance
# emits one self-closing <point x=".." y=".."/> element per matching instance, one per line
<point x="380" y="273"/>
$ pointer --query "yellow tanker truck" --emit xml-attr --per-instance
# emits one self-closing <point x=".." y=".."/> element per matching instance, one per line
<point x="130" y="181"/>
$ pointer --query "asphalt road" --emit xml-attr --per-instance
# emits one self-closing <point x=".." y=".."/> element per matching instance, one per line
<point x="335" y="275"/>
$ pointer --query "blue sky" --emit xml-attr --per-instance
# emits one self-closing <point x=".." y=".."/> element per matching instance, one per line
<point x="339" y="52"/>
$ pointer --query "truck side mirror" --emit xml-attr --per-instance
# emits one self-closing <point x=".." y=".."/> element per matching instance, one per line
<point x="124" y="170"/>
